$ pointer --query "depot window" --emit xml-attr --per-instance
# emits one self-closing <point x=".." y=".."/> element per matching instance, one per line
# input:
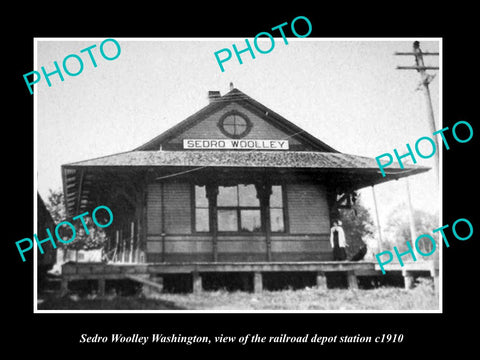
<point x="234" y="124"/>
<point x="238" y="209"/>
<point x="277" y="214"/>
<point x="202" y="217"/>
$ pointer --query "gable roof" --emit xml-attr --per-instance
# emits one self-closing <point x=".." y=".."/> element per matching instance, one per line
<point x="80" y="178"/>
<point x="248" y="159"/>
<point x="238" y="96"/>
<point x="362" y="171"/>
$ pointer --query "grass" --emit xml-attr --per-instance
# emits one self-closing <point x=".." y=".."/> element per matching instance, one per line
<point x="422" y="297"/>
<point x="117" y="303"/>
<point x="388" y="298"/>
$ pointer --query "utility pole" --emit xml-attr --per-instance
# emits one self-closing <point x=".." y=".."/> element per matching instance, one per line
<point x="411" y="217"/>
<point x="425" y="80"/>
<point x="379" y="228"/>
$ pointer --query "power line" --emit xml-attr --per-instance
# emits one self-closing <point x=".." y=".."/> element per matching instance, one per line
<point x="181" y="173"/>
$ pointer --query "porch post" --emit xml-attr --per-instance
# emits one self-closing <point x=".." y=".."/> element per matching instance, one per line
<point x="408" y="279"/>
<point x="122" y="239"/>
<point x="352" y="280"/>
<point x="263" y="193"/>
<point x="377" y="217"/>
<point x="212" y="193"/>
<point x="267" y="226"/>
<point x="321" y="280"/>
<point x="117" y="237"/>
<point x="101" y="287"/>
<point x="435" y="272"/>
<point x="138" y="247"/>
<point x="64" y="286"/>
<point x="139" y="218"/>
<point x="142" y="225"/>
<point x="162" y="198"/>
<point x="257" y="282"/>
<point x="197" y="282"/>
<point x="132" y="233"/>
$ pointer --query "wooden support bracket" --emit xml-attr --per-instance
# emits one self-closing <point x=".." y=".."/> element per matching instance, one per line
<point x="321" y="280"/>
<point x="352" y="280"/>
<point x="197" y="282"/>
<point x="257" y="282"/>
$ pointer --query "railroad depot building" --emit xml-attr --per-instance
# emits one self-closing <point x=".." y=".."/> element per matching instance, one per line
<point x="235" y="187"/>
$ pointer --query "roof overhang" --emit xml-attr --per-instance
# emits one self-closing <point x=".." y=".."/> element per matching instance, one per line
<point x="80" y="178"/>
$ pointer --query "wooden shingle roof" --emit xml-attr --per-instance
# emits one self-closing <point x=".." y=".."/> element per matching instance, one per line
<point x="247" y="158"/>
<point x="81" y="179"/>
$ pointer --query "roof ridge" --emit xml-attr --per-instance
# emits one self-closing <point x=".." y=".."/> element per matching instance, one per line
<point x="187" y="120"/>
<point x="274" y="118"/>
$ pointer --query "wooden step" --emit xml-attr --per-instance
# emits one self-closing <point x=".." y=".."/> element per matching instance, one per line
<point x="145" y="281"/>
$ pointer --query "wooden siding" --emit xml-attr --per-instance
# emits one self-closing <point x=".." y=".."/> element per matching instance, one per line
<point x="302" y="248"/>
<point x="307" y="239"/>
<point x="208" y="129"/>
<point x="177" y="216"/>
<point x="177" y="202"/>
<point x="192" y="248"/>
<point x="307" y="209"/>
<point x="154" y="208"/>
<point x="180" y="244"/>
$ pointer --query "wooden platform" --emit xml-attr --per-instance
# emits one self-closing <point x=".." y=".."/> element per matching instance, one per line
<point x="150" y="274"/>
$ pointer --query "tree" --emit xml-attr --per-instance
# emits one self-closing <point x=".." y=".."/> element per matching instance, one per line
<point x="55" y="205"/>
<point x="397" y="229"/>
<point x="357" y="225"/>
<point x="94" y="240"/>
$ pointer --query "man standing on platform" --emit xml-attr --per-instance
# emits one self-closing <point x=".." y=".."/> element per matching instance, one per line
<point x="337" y="240"/>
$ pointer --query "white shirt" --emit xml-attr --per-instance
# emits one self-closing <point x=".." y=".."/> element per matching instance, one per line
<point x="341" y="236"/>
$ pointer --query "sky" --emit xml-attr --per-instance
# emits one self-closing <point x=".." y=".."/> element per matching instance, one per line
<point x="346" y="92"/>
